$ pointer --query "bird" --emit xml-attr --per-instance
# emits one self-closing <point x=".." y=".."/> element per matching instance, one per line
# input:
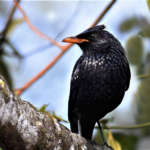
<point x="100" y="78"/>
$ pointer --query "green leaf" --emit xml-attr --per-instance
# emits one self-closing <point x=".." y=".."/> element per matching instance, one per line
<point x="145" y="32"/>
<point x="113" y="142"/>
<point x="128" y="24"/>
<point x="4" y="71"/>
<point x="142" y="99"/>
<point x="43" y="108"/>
<point x="135" y="48"/>
<point x="127" y="141"/>
<point x="53" y="114"/>
<point x="148" y="3"/>
<point x="15" y="23"/>
<point x="98" y="137"/>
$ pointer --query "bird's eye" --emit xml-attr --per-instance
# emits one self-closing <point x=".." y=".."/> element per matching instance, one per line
<point x="92" y="35"/>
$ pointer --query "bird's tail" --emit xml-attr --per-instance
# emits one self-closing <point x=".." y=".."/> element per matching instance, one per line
<point x="74" y="126"/>
<point x="87" y="127"/>
<point x="83" y="126"/>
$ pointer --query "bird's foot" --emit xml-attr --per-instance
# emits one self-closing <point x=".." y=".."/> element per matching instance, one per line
<point x="105" y="145"/>
<point x="92" y="142"/>
<point x="108" y="146"/>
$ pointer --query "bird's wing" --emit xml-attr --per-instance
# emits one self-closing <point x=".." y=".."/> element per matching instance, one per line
<point x="74" y="90"/>
<point x="128" y="76"/>
<point x="75" y="85"/>
<point x="127" y="73"/>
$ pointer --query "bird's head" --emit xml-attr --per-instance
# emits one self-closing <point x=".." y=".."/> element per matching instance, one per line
<point x="93" y="39"/>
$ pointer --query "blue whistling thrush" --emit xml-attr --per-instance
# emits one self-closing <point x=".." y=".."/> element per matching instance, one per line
<point x="99" y="80"/>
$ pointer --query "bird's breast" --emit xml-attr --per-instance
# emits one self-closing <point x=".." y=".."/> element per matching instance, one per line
<point x="107" y="71"/>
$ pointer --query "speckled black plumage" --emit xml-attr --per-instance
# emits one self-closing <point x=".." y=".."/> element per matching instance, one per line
<point x="99" y="80"/>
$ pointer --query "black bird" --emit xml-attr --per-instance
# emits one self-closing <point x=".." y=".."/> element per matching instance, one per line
<point x="99" y="80"/>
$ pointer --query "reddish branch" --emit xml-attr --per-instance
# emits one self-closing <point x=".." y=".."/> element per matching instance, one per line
<point x="100" y="17"/>
<point x="63" y="48"/>
<point x="41" y="73"/>
<point x="33" y="28"/>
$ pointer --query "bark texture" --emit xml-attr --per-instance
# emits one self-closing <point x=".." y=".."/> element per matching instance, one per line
<point x="23" y="127"/>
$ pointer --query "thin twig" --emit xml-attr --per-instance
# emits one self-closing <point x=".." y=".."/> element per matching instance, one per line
<point x="144" y="76"/>
<point x="33" y="28"/>
<point x="129" y="127"/>
<point x="137" y="126"/>
<point x="64" y="49"/>
<point x="100" y="17"/>
<point x="9" y="20"/>
<point x="15" y="52"/>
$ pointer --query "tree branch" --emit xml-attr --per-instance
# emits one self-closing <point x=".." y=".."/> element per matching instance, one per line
<point x="23" y="127"/>
<point x="9" y="20"/>
<point x="100" y="17"/>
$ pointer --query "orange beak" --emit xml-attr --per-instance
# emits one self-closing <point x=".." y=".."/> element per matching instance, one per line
<point x="74" y="40"/>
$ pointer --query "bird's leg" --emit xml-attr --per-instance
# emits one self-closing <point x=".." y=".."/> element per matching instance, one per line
<point x="102" y="135"/>
<point x="79" y="128"/>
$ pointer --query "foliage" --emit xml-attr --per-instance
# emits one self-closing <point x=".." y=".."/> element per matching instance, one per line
<point x="43" y="108"/>
<point x="113" y="142"/>
<point x="52" y="114"/>
<point x="139" y="57"/>
<point x="148" y="3"/>
<point x="4" y="69"/>
<point x="98" y="138"/>
<point x="110" y="139"/>
<point x="128" y="142"/>
<point x="134" y="47"/>
<point x="143" y="102"/>
<point x="15" y="23"/>
<point x="132" y="23"/>
<point x="129" y="24"/>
